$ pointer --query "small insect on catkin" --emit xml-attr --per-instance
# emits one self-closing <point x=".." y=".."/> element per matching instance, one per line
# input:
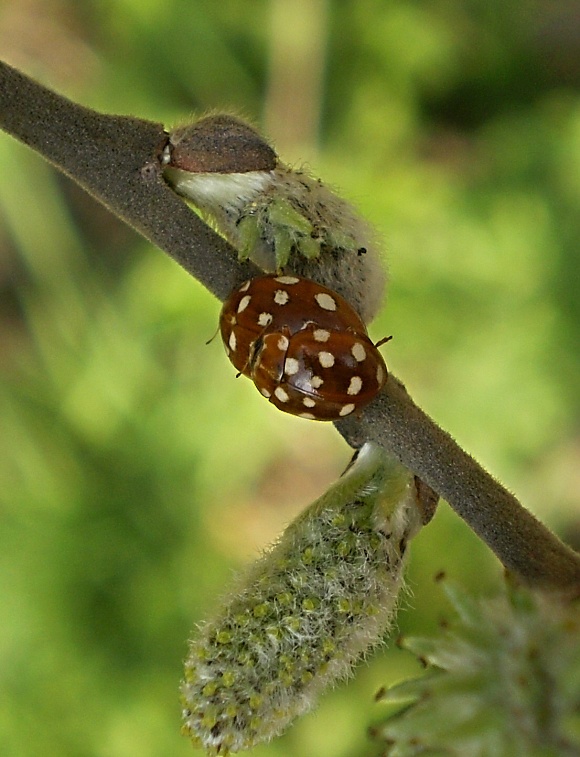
<point x="305" y="612"/>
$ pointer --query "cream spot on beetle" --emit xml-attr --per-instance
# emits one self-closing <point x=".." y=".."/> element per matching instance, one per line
<point x="287" y="279"/>
<point x="380" y="374"/>
<point x="264" y="319"/>
<point x="282" y="343"/>
<point x="291" y="366"/>
<point x="281" y="297"/>
<point x="266" y="393"/>
<point x="326" y="359"/>
<point x="316" y="382"/>
<point x="244" y="302"/>
<point x="232" y="341"/>
<point x="245" y="286"/>
<point x="308" y="402"/>
<point x="321" y="335"/>
<point x="281" y="394"/>
<point x="355" y="385"/>
<point x="346" y="409"/>
<point x="308" y="416"/>
<point x="358" y="352"/>
<point x="325" y="301"/>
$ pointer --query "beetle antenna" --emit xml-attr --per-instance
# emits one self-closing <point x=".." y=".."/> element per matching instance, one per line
<point x="384" y="340"/>
<point x="215" y="333"/>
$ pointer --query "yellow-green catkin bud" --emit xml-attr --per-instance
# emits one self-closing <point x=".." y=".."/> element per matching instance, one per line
<point x="305" y="612"/>
<point x="503" y="679"/>
<point x="279" y="217"/>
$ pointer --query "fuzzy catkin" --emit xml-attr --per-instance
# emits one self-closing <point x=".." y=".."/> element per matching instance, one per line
<point x="279" y="217"/>
<point x="502" y="679"/>
<point x="305" y="612"/>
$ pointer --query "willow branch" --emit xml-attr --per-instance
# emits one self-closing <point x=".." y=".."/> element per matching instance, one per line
<point x="523" y="544"/>
<point x="116" y="159"/>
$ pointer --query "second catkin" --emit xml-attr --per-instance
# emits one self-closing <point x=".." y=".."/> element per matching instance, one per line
<point x="305" y="612"/>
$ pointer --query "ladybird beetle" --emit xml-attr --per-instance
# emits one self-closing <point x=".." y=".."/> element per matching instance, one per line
<point x="305" y="348"/>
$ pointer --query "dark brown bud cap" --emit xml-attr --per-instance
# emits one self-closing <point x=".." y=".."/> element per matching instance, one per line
<point x="219" y="144"/>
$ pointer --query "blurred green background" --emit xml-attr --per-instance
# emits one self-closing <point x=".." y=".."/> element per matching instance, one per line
<point x="135" y="473"/>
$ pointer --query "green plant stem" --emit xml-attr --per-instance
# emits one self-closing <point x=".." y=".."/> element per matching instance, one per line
<point x="116" y="159"/>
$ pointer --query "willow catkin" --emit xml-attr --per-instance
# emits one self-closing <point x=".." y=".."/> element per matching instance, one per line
<point x="502" y="679"/>
<point x="277" y="216"/>
<point x="305" y="612"/>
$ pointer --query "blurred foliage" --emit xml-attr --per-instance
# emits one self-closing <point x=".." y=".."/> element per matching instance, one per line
<point x="127" y="494"/>
<point x="502" y="679"/>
